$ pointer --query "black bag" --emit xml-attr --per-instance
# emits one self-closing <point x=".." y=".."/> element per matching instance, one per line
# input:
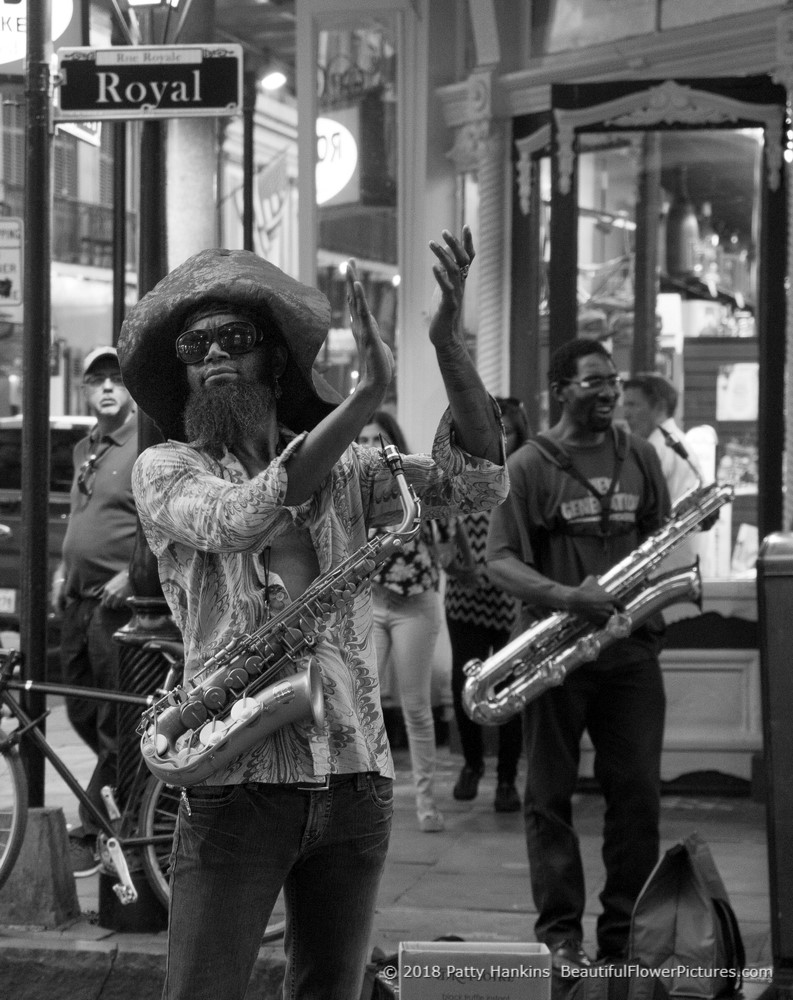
<point x="683" y="923"/>
<point x="617" y="982"/>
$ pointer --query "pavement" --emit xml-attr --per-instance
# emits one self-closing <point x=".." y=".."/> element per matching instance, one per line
<point x="470" y="881"/>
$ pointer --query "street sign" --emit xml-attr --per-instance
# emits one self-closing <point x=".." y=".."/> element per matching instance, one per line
<point x="154" y="81"/>
<point x="90" y="132"/>
<point x="10" y="265"/>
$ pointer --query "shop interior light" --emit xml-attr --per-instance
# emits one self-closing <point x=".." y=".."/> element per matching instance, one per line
<point x="153" y="3"/>
<point x="272" y="79"/>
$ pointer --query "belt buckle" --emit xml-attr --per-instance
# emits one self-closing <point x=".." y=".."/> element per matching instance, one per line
<point x="315" y="786"/>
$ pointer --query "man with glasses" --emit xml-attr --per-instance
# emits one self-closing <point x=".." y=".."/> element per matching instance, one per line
<point x="91" y="585"/>
<point x="583" y="496"/>
<point x="260" y="489"/>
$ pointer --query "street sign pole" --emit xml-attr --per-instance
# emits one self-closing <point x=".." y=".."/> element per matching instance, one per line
<point x="36" y="377"/>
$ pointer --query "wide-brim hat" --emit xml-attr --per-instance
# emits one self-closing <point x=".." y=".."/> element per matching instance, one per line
<point x="239" y="279"/>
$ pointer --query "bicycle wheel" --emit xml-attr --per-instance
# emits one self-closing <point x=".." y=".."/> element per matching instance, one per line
<point x="13" y="806"/>
<point x="159" y="807"/>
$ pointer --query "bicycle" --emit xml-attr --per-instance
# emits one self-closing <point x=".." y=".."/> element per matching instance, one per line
<point x="144" y="823"/>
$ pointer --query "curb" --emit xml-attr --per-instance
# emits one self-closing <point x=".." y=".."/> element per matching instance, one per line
<point x="99" y="970"/>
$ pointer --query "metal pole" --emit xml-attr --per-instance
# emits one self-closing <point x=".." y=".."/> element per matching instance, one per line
<point x="248" y="127"/>
<point x="36" y="375"/>
<point x="119" y="225"/>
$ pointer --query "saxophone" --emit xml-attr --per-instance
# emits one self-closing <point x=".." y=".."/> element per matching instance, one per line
<point x="541" y="657"/>
<point x="199" y="728"/>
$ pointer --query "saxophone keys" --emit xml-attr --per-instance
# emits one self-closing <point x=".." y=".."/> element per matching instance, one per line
<point x="237" y="678"/>
<point x="214" y="697"/>
<point x="243" y="709"/>
<point x="212" y="732"/>
<point x="193" y="714"/>
<point x="253" y="665"/>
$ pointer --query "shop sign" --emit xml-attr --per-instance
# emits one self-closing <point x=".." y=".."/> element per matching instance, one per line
<point x="66" y="29"/>
<point x="155" y="81"/>
<point x="337" y="171"/>
<point x="10" y="265"/>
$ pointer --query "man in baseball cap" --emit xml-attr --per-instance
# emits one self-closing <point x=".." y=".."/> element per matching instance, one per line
<point x="91" y="586"/>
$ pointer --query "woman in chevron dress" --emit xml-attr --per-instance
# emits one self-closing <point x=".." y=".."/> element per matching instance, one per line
<point x="480" y="618"/>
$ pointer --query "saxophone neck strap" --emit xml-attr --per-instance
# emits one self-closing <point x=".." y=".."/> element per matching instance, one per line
<point x="565" y="462"/>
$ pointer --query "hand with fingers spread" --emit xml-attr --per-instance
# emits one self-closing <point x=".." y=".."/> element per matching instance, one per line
<point x="450" y="272"/>
<point x="375" y="361"/>
<point x="474" y="412"/>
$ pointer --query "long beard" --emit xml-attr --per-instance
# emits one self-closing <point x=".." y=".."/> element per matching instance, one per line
<point x="223" y="416"/>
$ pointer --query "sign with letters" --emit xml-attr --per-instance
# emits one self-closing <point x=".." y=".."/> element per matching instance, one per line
<point x="67" y="21"/>
<point x="10" y="262"/>
<point x="154" y="81"/>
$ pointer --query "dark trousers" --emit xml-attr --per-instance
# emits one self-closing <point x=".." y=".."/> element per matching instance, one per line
<point x="89" y="658"/>
<point x="467" y="641"/>
<point x="622" y="708"/>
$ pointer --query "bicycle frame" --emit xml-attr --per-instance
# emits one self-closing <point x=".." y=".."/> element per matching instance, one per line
<point x="111" y="823"/>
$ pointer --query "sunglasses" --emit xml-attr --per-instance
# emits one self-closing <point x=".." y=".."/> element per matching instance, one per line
<point x="236" y="337"/>
<point x="85" y="477"/>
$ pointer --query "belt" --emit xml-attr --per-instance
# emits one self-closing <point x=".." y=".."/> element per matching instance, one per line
<point x="325" y="784"/>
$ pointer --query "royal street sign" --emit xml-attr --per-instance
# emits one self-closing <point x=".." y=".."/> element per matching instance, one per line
<point x="154" y="81"/>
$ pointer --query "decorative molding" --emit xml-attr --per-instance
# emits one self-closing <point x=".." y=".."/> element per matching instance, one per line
<point x="746" y="43"/>
<point x="526" y="148"/>
<point x="670" y="103"/>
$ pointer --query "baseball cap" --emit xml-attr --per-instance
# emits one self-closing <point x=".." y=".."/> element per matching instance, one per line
<point x="98" y="354"/>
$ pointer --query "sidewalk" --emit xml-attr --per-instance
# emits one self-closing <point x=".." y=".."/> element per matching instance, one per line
<point x="471" y="881"/>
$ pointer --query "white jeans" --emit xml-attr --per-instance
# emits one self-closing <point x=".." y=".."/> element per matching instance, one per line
<point x="406" y="630"/>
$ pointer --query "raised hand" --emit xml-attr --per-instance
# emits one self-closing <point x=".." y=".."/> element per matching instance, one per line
<point x="375" y="361"/>
<point x="450" y="272"/>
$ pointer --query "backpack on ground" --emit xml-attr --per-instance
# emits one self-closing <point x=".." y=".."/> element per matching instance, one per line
<point x="683" y="924"/>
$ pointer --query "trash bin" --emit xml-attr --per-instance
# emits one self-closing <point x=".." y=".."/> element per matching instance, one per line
<point x="775" y="612"/>
<point x="141" y="672"/>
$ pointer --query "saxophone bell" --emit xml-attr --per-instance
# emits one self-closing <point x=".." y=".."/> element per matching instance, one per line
<point x="541" y="657"/>
<point x="196" y="757"/>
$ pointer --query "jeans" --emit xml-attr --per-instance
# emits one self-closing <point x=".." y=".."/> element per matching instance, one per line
<point x="89" y="658"/>
<point x="406" y="630"/>
<point x="237" y="845"/>
<point x="622" y="707"/>
<point x="467" y="641"/>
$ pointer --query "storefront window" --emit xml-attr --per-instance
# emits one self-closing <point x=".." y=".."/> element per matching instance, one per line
<point x="356" y="181"/>
<point x="668" y="237"/>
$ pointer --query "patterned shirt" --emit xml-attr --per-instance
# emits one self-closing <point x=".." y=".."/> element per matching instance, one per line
<point x="480" y="603"/>
<point x="412" y="569"/>
<point x="208" y="523"/>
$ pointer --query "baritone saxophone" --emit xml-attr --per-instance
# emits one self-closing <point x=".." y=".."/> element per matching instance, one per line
<point x="541" y="657"/>
<point x="200" y="727"/>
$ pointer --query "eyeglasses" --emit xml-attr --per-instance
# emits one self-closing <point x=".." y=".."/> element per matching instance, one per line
<point x="594" y="383"/>
<point x="96" y="380"/>
<point x="237" y="337"/>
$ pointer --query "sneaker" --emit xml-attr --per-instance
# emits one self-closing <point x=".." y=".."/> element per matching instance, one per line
<point x="467" y="784"/>
<point x="83" y="859"/>
<point x="569" y="954"/>
<point x="432" y="822"/>
<point x="507" y="799"/>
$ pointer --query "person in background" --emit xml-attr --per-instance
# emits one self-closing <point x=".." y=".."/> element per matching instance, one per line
<point x="480" y="617"/>
<point x="260" y="492"/>
<point x="584" y="496"/>
<point x="407" y="620"/>
<point x="649" y="403"/>
<point x="91" y="585"/>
